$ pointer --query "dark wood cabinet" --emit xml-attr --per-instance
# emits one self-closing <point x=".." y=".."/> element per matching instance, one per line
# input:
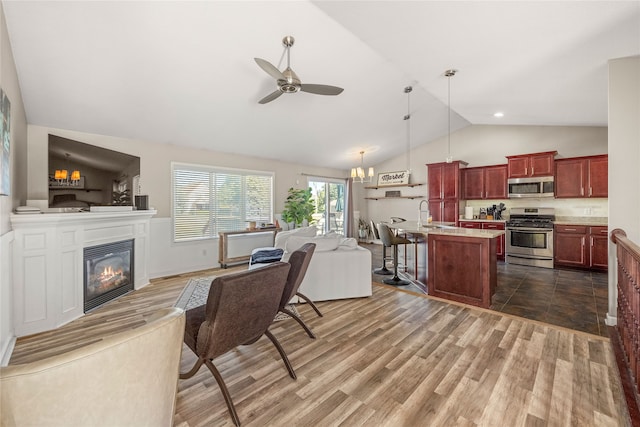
<point x="570" y="246"/>
<point x="495" y="182"/>
<point x="501" y="240"/>
<point x="599" y="176"/>
<point x="581" y="177"/>
<point x="435" y="176"/>
<point x="445" y="210"/>
<point x="581" y="246"/>
<point x="487" y="182"/>
<point x="471" y="224"/>
<point x="473" y="183"/>
<point x="462" y="268"/>
<point x="599" y="238"/>
<point x="487" y="225"/>
<point x="569" y="178"/>
<point x="530" y="165"/>
<point x="443" y="182"/>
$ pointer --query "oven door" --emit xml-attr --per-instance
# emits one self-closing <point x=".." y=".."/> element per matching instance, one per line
<point x="534" y="242"/>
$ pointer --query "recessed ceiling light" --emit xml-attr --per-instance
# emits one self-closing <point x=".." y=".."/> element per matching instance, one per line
<point x="498" y="114"/>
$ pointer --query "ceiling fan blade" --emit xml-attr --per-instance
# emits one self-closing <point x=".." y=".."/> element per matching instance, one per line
<point x="270" y="97"/>
<point x="321" y="89"/>
<point x="270" y="69"/>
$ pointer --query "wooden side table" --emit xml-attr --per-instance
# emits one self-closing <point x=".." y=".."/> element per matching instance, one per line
<point x="223" y="244"/>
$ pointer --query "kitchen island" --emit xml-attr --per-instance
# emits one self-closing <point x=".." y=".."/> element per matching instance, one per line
<point x="458" y="264"/>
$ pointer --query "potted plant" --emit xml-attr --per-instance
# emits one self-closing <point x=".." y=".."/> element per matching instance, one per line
<point x="298" y="207"/>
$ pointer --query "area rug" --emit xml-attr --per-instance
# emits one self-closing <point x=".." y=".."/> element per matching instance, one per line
<point x="197" y="291"/>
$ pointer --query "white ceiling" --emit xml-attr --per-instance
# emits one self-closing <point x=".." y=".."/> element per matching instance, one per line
<point x="183" y="72"/>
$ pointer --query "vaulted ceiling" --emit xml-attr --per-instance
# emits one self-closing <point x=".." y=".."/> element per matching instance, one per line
<point x="183" y="72"/>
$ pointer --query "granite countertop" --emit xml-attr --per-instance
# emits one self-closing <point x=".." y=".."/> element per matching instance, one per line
<point x="582" y="220"/>
<point x="441" y="228"/>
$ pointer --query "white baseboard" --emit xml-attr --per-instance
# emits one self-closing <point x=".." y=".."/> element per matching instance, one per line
<point x="7" y="352"/>
<point x="611" y="320"/>
<point x="7" y="330"/>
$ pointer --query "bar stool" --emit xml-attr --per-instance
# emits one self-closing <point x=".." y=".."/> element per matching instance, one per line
<point x="390" y="239"/>
<point x="383" y="271"/>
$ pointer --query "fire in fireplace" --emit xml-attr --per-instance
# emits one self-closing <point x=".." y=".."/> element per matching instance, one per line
<point x="108" y="272"/>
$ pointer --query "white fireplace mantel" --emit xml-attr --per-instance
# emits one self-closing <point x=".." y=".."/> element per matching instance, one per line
<point x="47" y="261"/>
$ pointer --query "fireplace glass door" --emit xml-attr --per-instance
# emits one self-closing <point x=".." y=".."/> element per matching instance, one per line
<point x="108" y="272"/>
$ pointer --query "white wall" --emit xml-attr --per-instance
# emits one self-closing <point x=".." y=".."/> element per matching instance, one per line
<point x="483" y="145"/>
<point x="155" y="165"/>
<point x="624" y="160"/>
<point x="155" y="177"/>
<point x="18" y="159"/>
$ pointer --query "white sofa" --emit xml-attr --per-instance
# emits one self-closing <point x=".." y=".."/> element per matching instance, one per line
<point x="338" y="269"/>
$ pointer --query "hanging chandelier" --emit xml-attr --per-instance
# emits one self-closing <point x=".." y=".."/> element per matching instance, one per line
<point x="357" y="173"/>
<point x="448" y="74"/>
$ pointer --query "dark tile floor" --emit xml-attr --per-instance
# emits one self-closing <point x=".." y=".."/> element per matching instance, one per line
<point x="573" y="299"/>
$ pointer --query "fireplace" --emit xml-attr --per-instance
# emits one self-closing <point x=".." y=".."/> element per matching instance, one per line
<point x="108" y="272"/>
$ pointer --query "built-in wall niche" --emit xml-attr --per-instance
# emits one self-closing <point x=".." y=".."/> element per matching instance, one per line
<point x="104" y="175"/>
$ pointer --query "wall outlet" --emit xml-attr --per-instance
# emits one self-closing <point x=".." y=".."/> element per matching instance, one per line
<point x="587" y="211"/>
<point x="204" y="252"/>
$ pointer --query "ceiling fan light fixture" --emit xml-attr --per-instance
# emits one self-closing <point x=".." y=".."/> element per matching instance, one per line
<point x="288" y="81"/>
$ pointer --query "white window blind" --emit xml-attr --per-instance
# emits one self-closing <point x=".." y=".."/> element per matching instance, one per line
<point x="207" y="200"/>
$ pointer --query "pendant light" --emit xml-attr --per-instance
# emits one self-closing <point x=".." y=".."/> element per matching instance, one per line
<point x="448" y="74"/>
<point x="407" y="118"/>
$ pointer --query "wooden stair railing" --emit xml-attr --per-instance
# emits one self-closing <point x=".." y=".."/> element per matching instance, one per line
<point x="627" y="333"/>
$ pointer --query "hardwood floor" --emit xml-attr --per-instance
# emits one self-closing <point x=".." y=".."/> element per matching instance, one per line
<point x="574" y="299"/>
<point x="395" y="359"/>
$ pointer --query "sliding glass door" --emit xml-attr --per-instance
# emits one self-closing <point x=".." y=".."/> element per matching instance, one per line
<point x="329" y="197"/>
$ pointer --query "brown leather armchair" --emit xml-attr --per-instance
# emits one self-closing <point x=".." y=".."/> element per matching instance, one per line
<point x="240" y="308"/>
<point x="299" y="260"/>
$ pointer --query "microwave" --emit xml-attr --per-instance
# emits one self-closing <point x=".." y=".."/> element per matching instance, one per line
<point x="530" y="187"/>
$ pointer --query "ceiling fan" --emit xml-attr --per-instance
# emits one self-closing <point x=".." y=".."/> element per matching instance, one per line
<point x="288" y="81"/>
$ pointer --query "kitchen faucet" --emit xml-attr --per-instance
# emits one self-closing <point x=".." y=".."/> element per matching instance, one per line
<point x="420" y="213"/>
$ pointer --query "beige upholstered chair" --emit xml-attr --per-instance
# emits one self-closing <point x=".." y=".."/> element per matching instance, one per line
<point x="127" y="379"/>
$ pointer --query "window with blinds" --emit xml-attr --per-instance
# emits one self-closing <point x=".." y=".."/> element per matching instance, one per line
<point x="207" y="200"/>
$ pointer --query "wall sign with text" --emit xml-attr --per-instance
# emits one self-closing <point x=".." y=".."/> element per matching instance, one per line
<point x="393" y="178"/>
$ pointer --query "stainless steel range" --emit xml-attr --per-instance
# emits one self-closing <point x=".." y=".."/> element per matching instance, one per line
<point x="530" y="237"/>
